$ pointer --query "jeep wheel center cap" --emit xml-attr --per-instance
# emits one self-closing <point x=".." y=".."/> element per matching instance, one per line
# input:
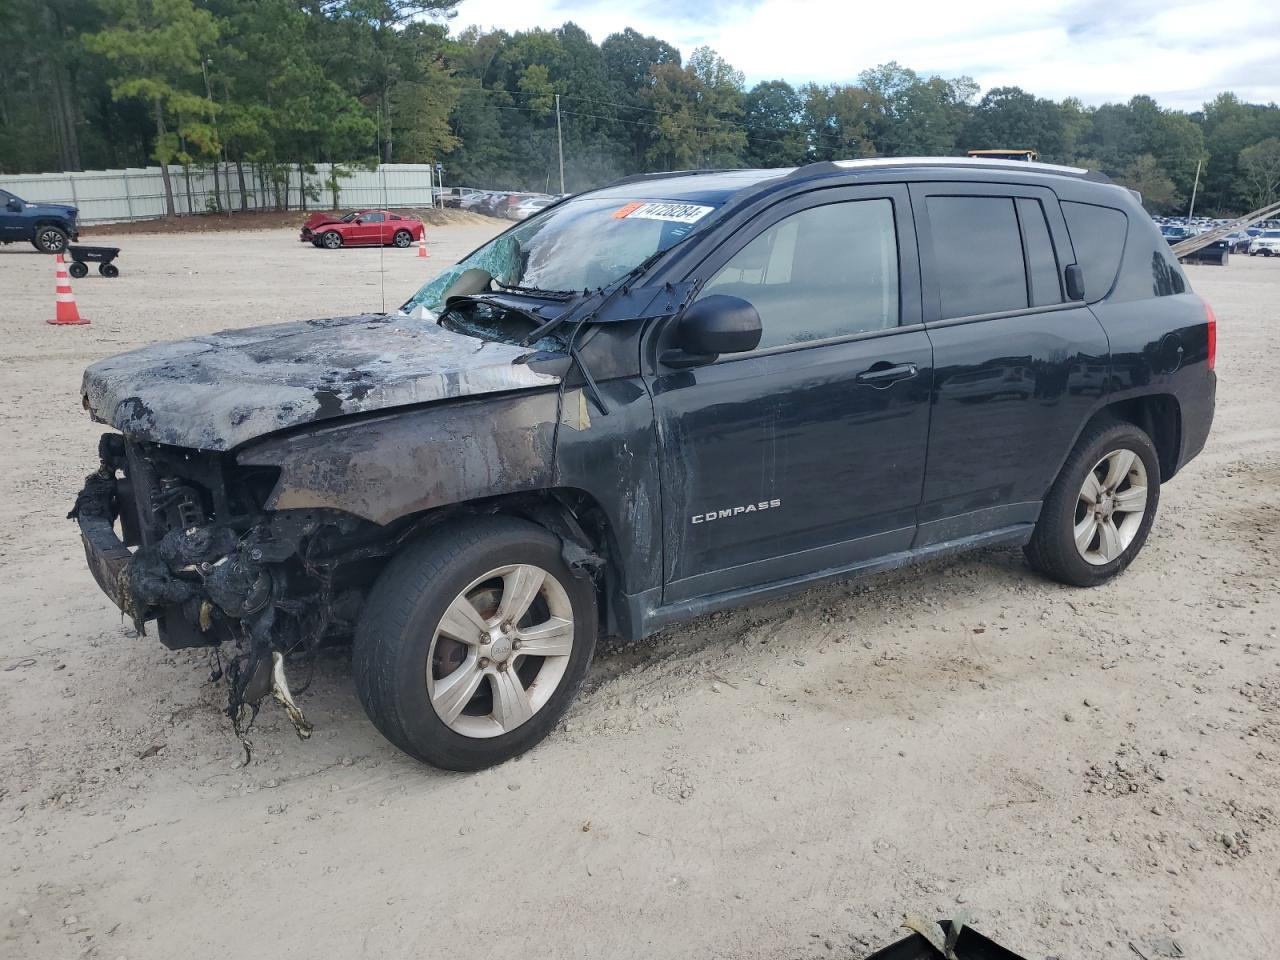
<point x="500" y="649"/>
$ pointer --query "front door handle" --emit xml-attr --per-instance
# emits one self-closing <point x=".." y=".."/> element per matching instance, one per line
<point x="883" y="374"/>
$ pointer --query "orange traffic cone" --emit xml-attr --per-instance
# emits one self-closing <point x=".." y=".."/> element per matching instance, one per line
<point x="66" y="313"/>
<point x="422" y="246"/>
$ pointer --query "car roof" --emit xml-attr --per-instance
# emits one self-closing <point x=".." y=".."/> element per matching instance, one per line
<point x="717" y="186"/>
<point x="692" y="186"/>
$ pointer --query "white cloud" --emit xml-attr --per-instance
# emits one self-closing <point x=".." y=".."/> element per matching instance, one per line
<point x="1182" y="52"/>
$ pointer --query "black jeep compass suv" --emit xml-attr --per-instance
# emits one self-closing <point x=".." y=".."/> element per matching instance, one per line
<point x="671" y="395"/>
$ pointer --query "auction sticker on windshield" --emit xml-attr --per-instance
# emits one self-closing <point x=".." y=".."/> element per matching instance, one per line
<point x="672" y="212"/>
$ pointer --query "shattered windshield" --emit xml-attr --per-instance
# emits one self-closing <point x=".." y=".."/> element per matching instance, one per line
<point x="578" y="245"/>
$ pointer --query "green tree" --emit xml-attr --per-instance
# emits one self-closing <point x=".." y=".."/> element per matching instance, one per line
<point x="381" y="24"/>
<point x="1260" y="173"/>
<point x="1012" y="118"/>
<point x="919" y="116"/>
<point x="156" y="48"/>
<point x="697" y="114"/>
<point x="773" y="115"/>
<point x="1149" y="178"/>
<point x="842" y="121"/>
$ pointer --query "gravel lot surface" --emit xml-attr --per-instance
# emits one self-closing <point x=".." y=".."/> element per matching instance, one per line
<point x="1081" y="770"/>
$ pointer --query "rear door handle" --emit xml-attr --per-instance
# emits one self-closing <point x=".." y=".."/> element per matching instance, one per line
<point x="882" y="374"/>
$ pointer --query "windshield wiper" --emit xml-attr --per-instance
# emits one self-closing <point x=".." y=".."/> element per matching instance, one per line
<point x="601" y="294"/>
<point x="537" y="291"/>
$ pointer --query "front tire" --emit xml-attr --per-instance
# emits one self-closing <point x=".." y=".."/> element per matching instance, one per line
<point x="473" y="642"/>
<point x="49" y="239"/>
<point x="331" y="239"/>
<point x="1100" y="509"/>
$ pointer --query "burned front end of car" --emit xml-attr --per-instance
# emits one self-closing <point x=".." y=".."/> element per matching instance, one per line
<point x="255" y="481"/>
<point x="180" y="537"/>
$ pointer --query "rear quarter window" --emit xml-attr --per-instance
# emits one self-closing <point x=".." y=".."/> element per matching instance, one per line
<point x="1097" y="235"/>
<point x="1150" y="268"/>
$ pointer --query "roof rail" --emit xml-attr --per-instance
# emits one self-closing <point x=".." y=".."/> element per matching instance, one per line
<point x="871" y="163"/>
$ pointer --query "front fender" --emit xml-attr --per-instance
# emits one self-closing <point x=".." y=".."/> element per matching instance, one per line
<point x="400" y="463"/>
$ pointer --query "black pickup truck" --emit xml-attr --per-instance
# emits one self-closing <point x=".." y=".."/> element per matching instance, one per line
<point x="672" y="395"/>
<point x="46" y="226"/>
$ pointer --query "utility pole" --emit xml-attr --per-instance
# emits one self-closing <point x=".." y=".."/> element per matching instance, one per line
<point x="1194" y="188"/>
<point x="560" y="142"/>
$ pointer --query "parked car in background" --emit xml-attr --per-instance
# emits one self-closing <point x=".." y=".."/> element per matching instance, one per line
<point x="529" y="206"/>
<point x="670" y="396"/>
<point x="463" y="198"/>
<point x="1241" y="239"/>
<point x="1266" y="244"/>
<point x="324" y="218"/>
<point x="366" y="228"/>
<point x="46" y="226"/>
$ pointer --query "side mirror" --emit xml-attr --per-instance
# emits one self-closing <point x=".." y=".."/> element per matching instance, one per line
<point x="1075" y="282"/>
<point x="711" y="326"/>
<point x="14" y="204"/>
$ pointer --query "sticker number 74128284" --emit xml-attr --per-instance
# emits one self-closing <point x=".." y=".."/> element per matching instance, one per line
<point x="673" y="212"/>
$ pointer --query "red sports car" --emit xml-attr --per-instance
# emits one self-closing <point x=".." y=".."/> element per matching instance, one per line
<point x="364" y="228"/>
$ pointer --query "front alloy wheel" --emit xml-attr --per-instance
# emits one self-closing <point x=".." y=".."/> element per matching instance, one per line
<point x="331" y="239"/>
<point x="50" y="240"/>
<point x="473" y="642"/>
<point x="500" y="651"/>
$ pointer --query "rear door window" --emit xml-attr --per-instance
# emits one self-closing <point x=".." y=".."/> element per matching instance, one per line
<point x="1097" y="235"/>
<point x="1043" y="284"/>
<point x="977" y="255"/>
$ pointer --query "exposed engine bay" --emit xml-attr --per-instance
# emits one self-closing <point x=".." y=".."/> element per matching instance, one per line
<point x="182" y="537"/>
<point x="260" y="586"/>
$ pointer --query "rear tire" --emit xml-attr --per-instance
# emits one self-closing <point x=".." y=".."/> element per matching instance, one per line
<point x="1085" y="543"/>
<point x="402" y="238"/>
<point x="426" y="674"/>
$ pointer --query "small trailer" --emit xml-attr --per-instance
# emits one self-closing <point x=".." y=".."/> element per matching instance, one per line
<point x="102" y="256"/>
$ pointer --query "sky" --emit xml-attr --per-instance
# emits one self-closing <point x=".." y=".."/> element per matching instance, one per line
<point x="1182" y="52"/>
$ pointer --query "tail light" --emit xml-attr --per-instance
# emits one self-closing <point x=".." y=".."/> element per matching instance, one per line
<point x="1212" y="322"/>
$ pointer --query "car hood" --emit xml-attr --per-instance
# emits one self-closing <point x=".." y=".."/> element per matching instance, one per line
<point x="219" y="391"/>
<point x="60" y="209"/>
<point x="320" y="219"/>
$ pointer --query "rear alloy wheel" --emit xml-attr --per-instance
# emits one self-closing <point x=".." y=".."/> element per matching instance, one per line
<point x="1100" y="509"/>
<point x="402" y="238"/>
<point x="50" y="239"/>
<point x="331" y="239"/>
<point x="1110" y="507"/>
<point x="473" y="643"/>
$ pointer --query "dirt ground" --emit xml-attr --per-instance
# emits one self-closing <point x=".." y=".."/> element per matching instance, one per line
<point x="1080" y="770"/>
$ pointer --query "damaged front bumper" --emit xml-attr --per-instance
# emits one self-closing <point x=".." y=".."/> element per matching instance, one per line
<point x="192" y="577"/>
<point x="104" y="551"/>
<point x="180" y="549"/>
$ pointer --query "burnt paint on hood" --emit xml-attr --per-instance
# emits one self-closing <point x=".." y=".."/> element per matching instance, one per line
<point x="219" y="391"/>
